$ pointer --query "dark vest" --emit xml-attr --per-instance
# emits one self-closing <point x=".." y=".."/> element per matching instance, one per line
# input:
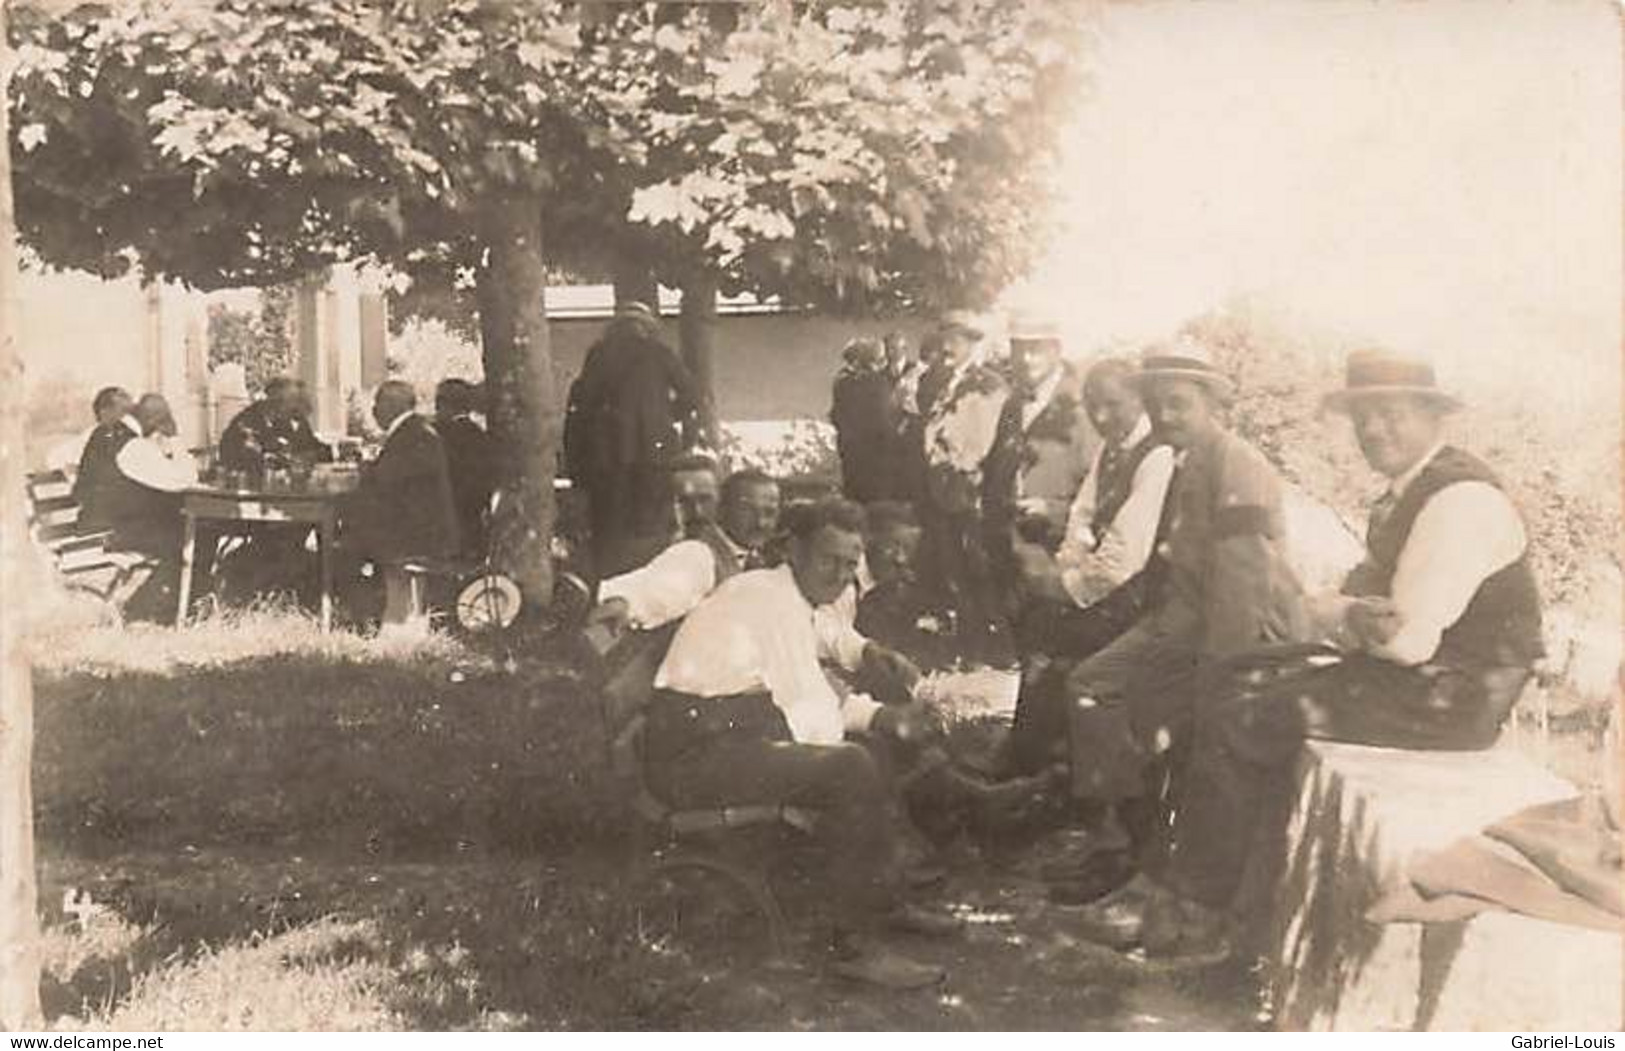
<point x="95" y="486"/>
<point x="1115" y="483"/>
<point x="728" y="560"/>
<point x="1501" y="626"/>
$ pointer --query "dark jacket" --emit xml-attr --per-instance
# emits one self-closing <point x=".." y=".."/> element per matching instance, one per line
<point x="862" y="411"/>
<point x="98" y="480"/>
<point x="255" y="440"/>
<point x="1501" y="626"/>
<point x="404" y="507"/>
<point x="472" y="462"/>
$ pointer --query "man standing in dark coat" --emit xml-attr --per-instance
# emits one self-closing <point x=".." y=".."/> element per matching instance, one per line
<point x="865" y="427"/>
<point x="470" y="458"/>
<point x="631" y="411"/>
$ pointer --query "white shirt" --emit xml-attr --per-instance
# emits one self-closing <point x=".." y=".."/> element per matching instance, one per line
<point x="757" y="632"/>
<point x="1464" y="534"/>
<point x="1126" y="545"/>
<point x="668" y="587"/>
<point x="147" y="462"/>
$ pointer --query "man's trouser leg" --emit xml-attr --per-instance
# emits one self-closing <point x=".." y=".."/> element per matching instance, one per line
<point x="840" y="783"/>
<point x="1247" y="742"/>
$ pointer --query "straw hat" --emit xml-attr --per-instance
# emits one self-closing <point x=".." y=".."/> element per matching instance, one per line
<point x="1183" y="358"/>
<point x="1373" y="372"/>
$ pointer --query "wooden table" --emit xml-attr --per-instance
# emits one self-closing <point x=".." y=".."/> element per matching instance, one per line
<point x="314" y="507"/>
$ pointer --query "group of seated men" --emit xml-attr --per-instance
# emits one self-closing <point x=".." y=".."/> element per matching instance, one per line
<point x="424" y="495"/>
<point x="1172" y="661"/>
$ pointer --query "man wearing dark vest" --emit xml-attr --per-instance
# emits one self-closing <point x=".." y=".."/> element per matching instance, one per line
<point x="98" y="474"/>
<point x="1096" y="584"/>
<point x="1437" y="629"/>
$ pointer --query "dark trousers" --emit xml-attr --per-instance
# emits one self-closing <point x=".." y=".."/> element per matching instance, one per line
<point x="1248" y="736"/>
<point x="737" y="751"/>
<point x="1053" y="638"/>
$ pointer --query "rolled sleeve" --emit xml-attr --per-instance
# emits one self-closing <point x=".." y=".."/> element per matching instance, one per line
<point x="666" y="589"/>
<point x="858" y="712"/>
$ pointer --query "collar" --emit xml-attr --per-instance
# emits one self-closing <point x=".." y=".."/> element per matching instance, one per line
<point x="733" y="545"/>
<point x="1397" y="487"/>
<point x="1045" y="391"/>
<point x="1137" y="433"/>
<point x="130" y="422"/>
<point x="395" y="424"/>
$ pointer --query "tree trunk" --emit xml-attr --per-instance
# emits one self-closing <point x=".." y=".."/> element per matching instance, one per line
<point x="523" y="406"/>
<point x="19" y="922"/>
<point x="697" y="337"/>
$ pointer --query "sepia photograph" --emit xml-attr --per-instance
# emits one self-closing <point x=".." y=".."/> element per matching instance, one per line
<point x="811" y="516"/>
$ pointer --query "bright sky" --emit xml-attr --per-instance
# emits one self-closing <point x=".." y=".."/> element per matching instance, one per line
<point x="1443" y="176"/>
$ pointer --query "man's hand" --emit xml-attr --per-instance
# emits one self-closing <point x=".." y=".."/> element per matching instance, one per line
<point x="1371" y="621"/>
<point x="890" y="667"/>
<point x="613" y="616"/>
<point x="910" y="723"/>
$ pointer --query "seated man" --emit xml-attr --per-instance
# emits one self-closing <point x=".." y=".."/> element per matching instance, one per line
<point x="143" y="506"/>
<point x="681" y="576"/>
<point x="273" y="433"/>
<point x="896" y="611"/>
<point x="471" y="460"/>
<point x="403" y="508"/>
<point x="98" y="475"/>
<point x="695" y="492"/>
<point x="743" y="714"/>
<point x="1098" y="583"/>
<point x="1439" y="629"/>
<point x="1225" y="586"/>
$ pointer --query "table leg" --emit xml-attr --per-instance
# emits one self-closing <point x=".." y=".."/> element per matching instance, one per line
<point x="324" y="540"/>
<point x="188" y="554"/>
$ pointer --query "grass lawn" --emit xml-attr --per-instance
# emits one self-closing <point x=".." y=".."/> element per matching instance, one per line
<point x="249" y="825"/>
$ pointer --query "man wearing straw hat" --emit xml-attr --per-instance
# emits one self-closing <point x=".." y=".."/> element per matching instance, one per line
<point x="1223" y="586"/>
<point x="1436" y="632"/>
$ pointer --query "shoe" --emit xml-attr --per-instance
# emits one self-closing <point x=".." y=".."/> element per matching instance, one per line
<point x="1114" y="923"/>
<point x="917" y="919"/>
<point x="888" y="970"/>
<point x="1179" y="932"/>
<point x="1094" y="878"/>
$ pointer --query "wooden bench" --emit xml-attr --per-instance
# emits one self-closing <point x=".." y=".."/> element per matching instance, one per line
<point x="1360" y="815"/>
<point x="81" y="559"/>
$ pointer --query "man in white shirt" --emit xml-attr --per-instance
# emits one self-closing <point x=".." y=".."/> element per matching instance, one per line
<point x="744" y="714"/>
<point x="669" y="587"/>
<point x="1437" y="631"/>
<point x="1096" y="585"/>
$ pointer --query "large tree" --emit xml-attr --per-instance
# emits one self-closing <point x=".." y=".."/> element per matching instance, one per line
<point x="854" y="155"/>
<point x="19" y="921"/>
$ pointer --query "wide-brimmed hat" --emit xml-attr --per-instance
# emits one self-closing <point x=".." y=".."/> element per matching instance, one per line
<point x="1374" y="372"/>
<point x="636" y="310"/>
<point x="1182" y="358"/>
<point x="960" y="321"/>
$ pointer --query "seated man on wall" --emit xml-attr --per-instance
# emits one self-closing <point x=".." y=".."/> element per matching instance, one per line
<point x="143" y="505"/>
<point x="744" y="714"/>
<point x="97" y="473"/>
<point x="1438" y="629"/>
<point x="1226" y="586"/>
<point x="1099" y="581"/>
<point x="403" y="509"/>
